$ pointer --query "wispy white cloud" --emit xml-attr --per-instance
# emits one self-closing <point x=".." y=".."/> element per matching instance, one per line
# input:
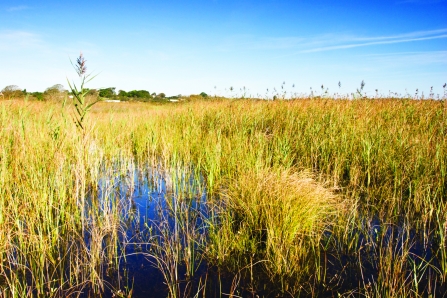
<point x="378" y="42"/>
<point x="16" y="39"/>
<point x="409" y="58"/>
<point x="414" y="34"/>
<point x="333" y="42"/>
<point x="324" y="42"/>
<point x="18" y="8"/>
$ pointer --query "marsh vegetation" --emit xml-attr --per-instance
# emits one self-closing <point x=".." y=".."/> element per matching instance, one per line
<point x="225" y="197"/>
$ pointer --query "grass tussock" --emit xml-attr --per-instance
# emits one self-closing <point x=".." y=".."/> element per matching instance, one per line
<point x="277" y="218"/>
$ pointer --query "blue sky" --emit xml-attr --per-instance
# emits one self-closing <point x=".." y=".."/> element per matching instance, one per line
<point x="186" y="47"/>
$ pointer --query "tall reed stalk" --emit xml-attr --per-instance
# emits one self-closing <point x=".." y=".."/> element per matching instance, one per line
<point x="80" y="94"/>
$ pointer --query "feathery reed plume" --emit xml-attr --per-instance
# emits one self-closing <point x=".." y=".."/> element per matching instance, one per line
<point x="80" y="65"/>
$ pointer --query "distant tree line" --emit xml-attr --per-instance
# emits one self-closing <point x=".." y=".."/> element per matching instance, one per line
<point x="55" y="92"/>
<point x="59" y="93"/>
<point x="134" y="95"/>
<point x="137" y="95"/>
<point x="11" y="92"/>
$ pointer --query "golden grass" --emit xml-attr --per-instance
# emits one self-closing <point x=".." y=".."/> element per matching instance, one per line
<point x="270" y="169"/>
<point x="277" y="216"/>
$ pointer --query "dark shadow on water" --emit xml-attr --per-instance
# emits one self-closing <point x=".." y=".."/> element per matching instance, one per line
<point x="156" y="205"/>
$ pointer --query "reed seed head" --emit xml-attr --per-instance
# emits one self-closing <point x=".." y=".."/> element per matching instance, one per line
<point x="81" y="68"/>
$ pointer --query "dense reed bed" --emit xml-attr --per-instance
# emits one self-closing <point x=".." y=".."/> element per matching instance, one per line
<point x="317" y="197"/>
